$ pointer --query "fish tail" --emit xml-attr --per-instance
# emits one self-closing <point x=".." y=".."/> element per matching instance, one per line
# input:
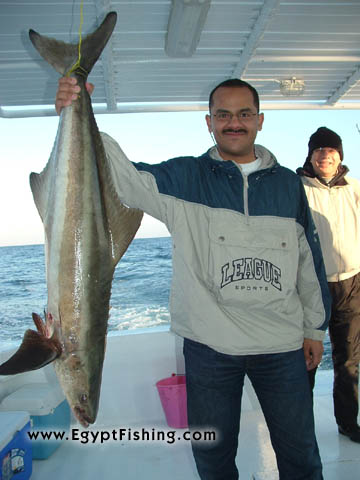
<point x="62" y="56"/>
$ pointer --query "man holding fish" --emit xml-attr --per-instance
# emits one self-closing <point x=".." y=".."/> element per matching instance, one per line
<point x="249" y="292"/>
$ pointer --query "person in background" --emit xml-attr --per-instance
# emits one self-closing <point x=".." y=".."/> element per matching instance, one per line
<point x="249" y="292"/>
<point x="334" y="199"/>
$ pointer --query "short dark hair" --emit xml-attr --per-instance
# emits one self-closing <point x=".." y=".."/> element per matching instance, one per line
<point x="236" y="82"/>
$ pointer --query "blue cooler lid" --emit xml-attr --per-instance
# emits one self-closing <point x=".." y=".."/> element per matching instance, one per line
<point x="10" y="423"/>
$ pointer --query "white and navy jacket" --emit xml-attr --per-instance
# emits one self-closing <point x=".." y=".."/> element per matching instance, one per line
<point x="248" y="273"/>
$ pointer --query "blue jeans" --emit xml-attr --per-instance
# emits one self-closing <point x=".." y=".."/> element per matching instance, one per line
<point x="214" y="383"/>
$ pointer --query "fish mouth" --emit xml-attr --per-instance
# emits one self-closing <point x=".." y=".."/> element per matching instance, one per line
<point x="81" y="415"/>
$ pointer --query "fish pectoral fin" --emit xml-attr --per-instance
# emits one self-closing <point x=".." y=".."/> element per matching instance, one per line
<point x="40" y="325"/>
<point x="35" y="352"/>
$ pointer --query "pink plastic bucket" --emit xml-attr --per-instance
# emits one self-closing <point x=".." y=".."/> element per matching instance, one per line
<point x="172" y="392"/>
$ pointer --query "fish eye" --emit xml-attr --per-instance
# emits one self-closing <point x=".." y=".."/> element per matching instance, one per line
<point x="83" y="398"/>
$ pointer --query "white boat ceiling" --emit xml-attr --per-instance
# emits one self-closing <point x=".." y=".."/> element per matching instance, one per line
<point x="313" y="44"/>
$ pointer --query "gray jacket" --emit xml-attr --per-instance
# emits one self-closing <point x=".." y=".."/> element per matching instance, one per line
<point x="248" y="274"/>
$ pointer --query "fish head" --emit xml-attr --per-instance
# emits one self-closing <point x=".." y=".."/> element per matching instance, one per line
<point x="82" y="391"/>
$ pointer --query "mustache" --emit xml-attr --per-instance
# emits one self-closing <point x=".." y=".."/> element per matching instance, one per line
<point x="234" y="130"/>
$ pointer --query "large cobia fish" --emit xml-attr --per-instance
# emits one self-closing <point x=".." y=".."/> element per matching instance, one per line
<point x="87" y="230"/>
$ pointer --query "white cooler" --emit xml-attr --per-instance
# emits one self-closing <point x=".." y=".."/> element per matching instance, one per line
<point x="49" y="412"/>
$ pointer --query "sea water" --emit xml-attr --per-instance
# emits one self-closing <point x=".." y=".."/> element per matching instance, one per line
<point x="139" y="298"/>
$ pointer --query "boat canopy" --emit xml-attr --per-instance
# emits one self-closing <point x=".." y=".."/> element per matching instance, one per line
<point x="167" y="55"/>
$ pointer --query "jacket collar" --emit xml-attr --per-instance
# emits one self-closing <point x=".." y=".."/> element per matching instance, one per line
<point x="268" y="159"/>
<point x="338" y="181"/>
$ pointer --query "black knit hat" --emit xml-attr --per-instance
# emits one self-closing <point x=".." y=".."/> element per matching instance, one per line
<point x="324" y="137"/>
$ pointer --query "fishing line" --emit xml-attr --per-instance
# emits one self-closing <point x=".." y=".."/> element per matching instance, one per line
<point x="77" y="64"/>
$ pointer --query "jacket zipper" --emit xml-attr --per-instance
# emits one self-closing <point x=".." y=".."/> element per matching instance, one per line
<point x="246" y="200"/>
<point x="332" y="195"/>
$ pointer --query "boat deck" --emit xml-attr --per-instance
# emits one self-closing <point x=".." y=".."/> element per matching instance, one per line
<point x="133" y="460"/>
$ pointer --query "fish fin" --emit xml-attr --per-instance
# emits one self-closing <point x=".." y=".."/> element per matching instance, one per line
<point x="35" y="352"/>
<point x="62" y="56"/>
<point x="40" y="325"/>
<point x="123" y="222"/>
<point x="37" y="181"/>
<point x="41" y="185"/>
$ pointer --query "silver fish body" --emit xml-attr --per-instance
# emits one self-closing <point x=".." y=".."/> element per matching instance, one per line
<point x="87" y="230"/>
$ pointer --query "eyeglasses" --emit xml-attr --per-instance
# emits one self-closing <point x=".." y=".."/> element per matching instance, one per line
<point x="228" y="116"/>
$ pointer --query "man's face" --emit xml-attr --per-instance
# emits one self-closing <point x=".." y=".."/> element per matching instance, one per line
<point x="234" y="136"/>
<point x="325" y="161"/>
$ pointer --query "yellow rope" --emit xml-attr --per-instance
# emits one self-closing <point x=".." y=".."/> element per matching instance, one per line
<point x="77" y="64"/>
